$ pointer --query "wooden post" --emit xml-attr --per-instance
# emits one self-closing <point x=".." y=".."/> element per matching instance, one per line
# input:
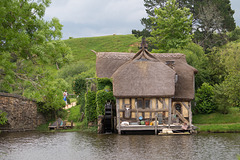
<point x="136" y="107"/>
<point x="118" y="116"/>
<point x="57" y="125"/>
<point x="169" y="112"/>
<point x="156" y="125"/>
<point x="190" y="115"/>
<point x="71" y="124"/>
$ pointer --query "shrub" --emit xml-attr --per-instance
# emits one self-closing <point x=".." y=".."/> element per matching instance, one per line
<point x="3" y="117"/>
<point x="79" y="85"/>
<point x="61" y="113"/>
<point x="103" y="82"/>
<point x="204" y="99"/>
<point x="220" y="97"/>
<point x="72" y="69"/>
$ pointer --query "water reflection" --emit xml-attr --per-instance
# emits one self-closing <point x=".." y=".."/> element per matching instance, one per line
<point x="77" y="145"/>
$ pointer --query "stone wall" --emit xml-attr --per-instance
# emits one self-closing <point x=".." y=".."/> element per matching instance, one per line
<point x="21" y="113"/>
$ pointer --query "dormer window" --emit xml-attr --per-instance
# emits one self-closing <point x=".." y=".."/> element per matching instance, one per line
<point x="170" y="64"/>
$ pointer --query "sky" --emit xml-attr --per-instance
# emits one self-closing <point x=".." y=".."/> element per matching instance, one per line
<point x="92" y="18"/>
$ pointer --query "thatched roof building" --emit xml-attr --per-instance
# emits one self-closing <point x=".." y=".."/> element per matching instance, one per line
<point x="147" y="75"/>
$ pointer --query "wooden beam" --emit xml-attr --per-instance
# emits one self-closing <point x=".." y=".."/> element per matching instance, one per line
<point x="156" y="125"/>
<point x="190" y="116"/>
<point x="162" y="100"/>
<point x="164" y="104"/>
<point x="136" y="108"/>
<point x="169" y="112"/>
<point x="181" y="117"/>
<point x="185" y="106"/>
<point x="118" y="116"/>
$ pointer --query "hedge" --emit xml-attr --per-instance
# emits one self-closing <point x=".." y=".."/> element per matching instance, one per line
<point x="101" y="98"/>
<point x="90" y="106"/>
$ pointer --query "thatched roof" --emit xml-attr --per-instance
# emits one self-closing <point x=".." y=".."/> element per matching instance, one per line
<point x="107" y="63"/>
<point x="144" y="76"/>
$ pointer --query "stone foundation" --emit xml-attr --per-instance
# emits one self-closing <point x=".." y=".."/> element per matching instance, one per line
<point x="21" y="113"/>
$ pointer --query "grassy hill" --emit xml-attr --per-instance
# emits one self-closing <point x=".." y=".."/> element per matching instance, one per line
<point x="84" y="60"/>
<point x="81" y="47"/>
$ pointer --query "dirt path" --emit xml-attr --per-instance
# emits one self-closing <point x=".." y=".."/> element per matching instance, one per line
<point x="70" y="105"/>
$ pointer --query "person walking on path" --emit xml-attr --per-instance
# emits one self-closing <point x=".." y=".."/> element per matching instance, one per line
<point x="65" y="94"/>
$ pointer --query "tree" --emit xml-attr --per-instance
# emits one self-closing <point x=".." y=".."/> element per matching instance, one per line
<point x="150" y="6"/>
<point x="211" y="20"/>
<point x="235" y="34"/>
<point x="28" y="44"/>
<point x="227" y="93"/>
<point x="29" y="47"/>
<point x="51" y="94"/>
<point x="171" y="27"/>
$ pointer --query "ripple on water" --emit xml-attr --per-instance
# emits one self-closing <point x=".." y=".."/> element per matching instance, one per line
<point x="77" y="145"/>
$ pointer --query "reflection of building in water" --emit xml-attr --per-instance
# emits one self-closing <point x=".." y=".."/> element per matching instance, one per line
<point x="158" y="88"/>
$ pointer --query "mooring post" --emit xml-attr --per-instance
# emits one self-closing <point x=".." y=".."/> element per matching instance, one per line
<point x="71" y="124"/>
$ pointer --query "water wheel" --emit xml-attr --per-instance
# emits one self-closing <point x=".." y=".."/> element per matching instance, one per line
<point x="108" y="118"/>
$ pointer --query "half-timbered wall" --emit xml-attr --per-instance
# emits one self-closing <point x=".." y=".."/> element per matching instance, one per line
<point x="161" y="104"/>
<point x="184" y="110"/>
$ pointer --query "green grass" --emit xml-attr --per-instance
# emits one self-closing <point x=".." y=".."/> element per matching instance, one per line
<point x="79" y="127"/>
<point x="218" y="118"/>
<point x="74" y="114"/>
<point x="44" y="127"/>
<point x="219" y="128"/>
<point x="217" y="122"/>
<point x="81" y="47"/>
<point x="73" y="100"/>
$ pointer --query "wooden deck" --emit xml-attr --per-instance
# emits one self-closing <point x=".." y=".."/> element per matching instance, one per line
<point x="157" y="129"/>
<point x="183" y="133"/>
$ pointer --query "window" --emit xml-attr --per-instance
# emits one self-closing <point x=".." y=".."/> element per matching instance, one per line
<point x="147" y="103"/>
<point x="139" y="103"/>
<point x="178" y="107"/>
<point x="143" y="103"/>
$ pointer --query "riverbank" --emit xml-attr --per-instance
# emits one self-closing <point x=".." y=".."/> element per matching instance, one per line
<point x="78" y="126"/>
<point x="205" y="123"/>
<point x="218" y="123"/>
<point x="218" y="128"/>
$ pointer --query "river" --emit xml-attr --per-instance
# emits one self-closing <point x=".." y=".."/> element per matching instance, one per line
<point x="86" y="146"/>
